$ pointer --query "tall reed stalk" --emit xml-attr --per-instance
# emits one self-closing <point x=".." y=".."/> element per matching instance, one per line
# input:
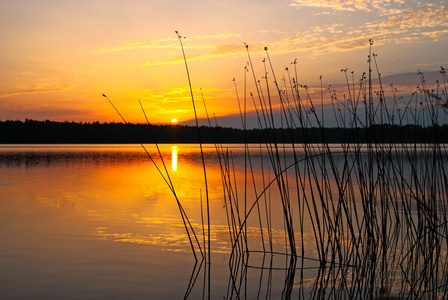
<point x="377" y="210"/>
<point x="364" y="219"/>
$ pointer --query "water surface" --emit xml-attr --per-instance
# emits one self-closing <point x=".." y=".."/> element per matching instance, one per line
<point x="100" y="221"/>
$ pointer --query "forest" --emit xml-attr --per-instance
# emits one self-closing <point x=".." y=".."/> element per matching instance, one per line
<point x="51" y="132"/>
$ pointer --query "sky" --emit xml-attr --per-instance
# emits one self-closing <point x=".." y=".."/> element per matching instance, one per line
<point x="58" y="57"/>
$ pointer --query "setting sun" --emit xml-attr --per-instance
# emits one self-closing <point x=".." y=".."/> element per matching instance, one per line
<point x="114" y="57"/>
<point x="174" y="121"/>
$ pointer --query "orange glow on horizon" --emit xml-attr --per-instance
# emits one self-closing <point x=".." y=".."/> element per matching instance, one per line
<point x="132" y="63"/>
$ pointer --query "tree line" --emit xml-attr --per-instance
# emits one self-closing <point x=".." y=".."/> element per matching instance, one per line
<point x="51" y="132"/>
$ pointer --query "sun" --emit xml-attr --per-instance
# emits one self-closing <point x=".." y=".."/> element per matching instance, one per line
<point x="174" y="121"/>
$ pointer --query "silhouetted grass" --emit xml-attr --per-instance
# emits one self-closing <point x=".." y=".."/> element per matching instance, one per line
<point x="366" y="219"/>
<point x="377" y="209"/>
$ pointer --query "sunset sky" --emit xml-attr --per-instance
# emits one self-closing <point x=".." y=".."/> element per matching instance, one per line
<point x="59" y="56"/>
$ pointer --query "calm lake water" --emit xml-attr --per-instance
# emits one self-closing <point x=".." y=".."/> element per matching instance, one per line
<point x="100" y="222"/>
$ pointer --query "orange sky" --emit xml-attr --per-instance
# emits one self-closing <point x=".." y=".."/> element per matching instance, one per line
<point x="58" y="57"/>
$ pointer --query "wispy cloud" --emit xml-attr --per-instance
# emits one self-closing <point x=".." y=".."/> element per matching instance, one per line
<point x="223" y="35"/>
<point x="382" y="6"/>
<point x="168" y="43"/>
<point x="180" y="94"/>
<point x="218" y="51"/>
<point x="400" y="24"/>
<point x="137" y="45"/>
<point x="411" y="25"/>
<point x="425" y="16"/>
<point x="45" y="85"/>
<point x="332" y="4"/>
<point x="150" y="45"/>
<point x="180" y="91"/>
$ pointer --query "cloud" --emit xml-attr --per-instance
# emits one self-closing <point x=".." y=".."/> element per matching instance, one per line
<point x="435" y="34"/>
<point x="150" y="45"/>
<point x="218" y="51"/>
<point x="332" y="4"/>
<point x="45" y="113"/>
<point x="168" y="43"/>
<point x="45" y="85"/>
<point x="180" y="95"/>
<point x="223" y="35"/>
<point x="428" y="16"/>
<point x="411" y="25"/>
<point x="351" y="45"/>
<point x="383" y="6"/>
<point x="172" y="61"/>
<point x="136" y="45"/>
<point x="397" y="25"/>
<point x="180" y="91"/>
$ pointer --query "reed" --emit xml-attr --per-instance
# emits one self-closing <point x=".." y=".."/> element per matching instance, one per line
<point x="377" y="210"/>
<point x="192" y="237"/>
<point x="365" y="219"/>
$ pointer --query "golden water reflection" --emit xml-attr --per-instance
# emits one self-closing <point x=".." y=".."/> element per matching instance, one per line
<point x="117" y="194"/>
<point x="120" y="198"/>
<point x="78" y="202"/>
<point x="174" y="158"/>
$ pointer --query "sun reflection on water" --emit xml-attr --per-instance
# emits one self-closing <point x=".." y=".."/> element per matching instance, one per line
<point x="174" y="158"/>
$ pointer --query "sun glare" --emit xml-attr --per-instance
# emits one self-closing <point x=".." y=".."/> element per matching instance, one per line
<point x="174" y="121"/>
<point x="174" y="158"/>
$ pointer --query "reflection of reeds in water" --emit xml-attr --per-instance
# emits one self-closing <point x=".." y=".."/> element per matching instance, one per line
<point x="378" y="211"/>
<point x="163" y="171"/>
<point x="365" y="221"/>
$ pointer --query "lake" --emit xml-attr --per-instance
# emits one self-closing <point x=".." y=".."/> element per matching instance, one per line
<point x="101" y="222"/>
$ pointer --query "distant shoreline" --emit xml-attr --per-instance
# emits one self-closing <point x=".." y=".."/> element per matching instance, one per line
<point x="50" y="132"/>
